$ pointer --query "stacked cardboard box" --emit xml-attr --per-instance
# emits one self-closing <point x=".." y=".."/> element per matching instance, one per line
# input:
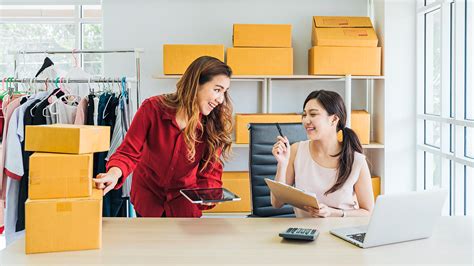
<point x="261" y="49"/>
<point x="63" y="210"/>
<point x="177" y="57"/>
<point x="243" y="120"/>
<point x="344" y="45"/>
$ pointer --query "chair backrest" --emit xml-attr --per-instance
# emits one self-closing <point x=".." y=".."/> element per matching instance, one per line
<point x="263" y="165"/>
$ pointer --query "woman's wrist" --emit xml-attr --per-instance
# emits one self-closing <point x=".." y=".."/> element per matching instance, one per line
<point x="115" y="172"/>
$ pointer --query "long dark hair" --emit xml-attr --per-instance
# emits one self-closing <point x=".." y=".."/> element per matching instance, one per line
<point x="217" y="126"/>
<point x="334" y="105"/>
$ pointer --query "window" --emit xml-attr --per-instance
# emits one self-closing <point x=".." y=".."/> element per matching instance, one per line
<point x="50" y="27"/>
<point x="445" y="102"/>
<point x="433" y="62"/>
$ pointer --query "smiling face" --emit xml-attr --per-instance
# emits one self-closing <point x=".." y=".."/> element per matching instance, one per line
<point x="317" y="122"/>
<point x="212" y="93"/>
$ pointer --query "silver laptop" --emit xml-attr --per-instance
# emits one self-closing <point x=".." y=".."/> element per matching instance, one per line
<point x="397" y="218"/>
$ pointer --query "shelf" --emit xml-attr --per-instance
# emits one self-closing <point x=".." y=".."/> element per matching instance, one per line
<point x="280" y="77"/>
<point x="372" y="145"/>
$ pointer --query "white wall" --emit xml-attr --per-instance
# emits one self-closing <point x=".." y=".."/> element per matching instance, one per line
<point x="150" y="24"/>
<point x="396" y="24"/>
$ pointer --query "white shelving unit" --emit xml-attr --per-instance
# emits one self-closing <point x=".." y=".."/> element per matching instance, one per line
<point x="267" y="82"/>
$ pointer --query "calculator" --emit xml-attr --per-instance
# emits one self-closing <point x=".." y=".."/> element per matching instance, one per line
<point x="300" y="234"/>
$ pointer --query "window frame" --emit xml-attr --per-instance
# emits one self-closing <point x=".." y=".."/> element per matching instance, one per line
<point x="453" y="117"/>
<point x="77" y="20"/>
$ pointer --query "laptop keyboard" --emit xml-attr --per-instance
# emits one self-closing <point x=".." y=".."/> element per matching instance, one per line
<point x="358" y="237"/>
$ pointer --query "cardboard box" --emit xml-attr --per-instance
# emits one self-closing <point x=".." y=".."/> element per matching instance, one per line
<point x="357" y="61"/>
<point x="360" y="123"/>
<point x="376" y="186"/>
<point x="365" y="37"/>
<point x="341" y="22"/>
<point x="73" y="139"/>
<point x="262" y="35"/>
<point x="63" y="224"/>
<point x="239" y="183"/>
<point x="54" y="175"/>
<point x="177" y="57"/>
<point x="260" y="61"/>
<point x="243" y="120"/>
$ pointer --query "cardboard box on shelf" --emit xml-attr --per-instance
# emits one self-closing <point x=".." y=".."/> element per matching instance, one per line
<point x="341" y="22"/>
<point x="357" y="61"/>
<point x="54" y="175"/>
<point x="62" y="138"/>
<point x="260" y="61"/>
<point x="63" y="224"/>
<point x="376" y="185"/>
<point x="360" y="123"/>
<point x="177" y="57"/>
<point x="242" y="121"/>
<point x="262" y="35"/>
<point x="365" y="37"/>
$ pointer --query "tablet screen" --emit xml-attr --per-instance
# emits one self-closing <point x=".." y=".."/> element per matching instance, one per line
<point x="209" y="195"/>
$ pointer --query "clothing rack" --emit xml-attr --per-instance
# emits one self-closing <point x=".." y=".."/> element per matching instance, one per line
<point x="136" y="51"/>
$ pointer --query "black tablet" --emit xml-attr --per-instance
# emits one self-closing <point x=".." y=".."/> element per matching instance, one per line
<point x="209" y="195"/>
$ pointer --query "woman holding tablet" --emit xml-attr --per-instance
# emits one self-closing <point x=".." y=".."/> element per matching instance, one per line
<point x="175" y="142"/>
<point x="336" y="172"/>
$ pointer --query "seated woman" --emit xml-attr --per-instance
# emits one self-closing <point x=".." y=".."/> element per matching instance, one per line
<point x="337" y="172"/>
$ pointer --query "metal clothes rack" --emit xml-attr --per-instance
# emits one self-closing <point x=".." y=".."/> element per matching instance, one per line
<point x="136" y="52"/>
<point x="136" y="79"/>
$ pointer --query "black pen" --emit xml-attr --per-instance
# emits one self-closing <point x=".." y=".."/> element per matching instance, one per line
<point x="281" y="134"/>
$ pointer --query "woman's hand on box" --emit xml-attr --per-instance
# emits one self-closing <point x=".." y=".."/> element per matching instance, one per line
<point x="107" y="181"/>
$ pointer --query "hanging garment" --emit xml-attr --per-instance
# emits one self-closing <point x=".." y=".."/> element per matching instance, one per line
<point x="23" y="189"/>
<point x="120" y="129"/>
<point x="46" y="63"/>
<point x="13" y="158"/>
<point x="62" y="113"/>
<point x="90" y="110"/>
<point x="40" y="117"/>
<point x="113" y="204"/>
<point x="8" y="108"/>
<point x="81" y="113"/>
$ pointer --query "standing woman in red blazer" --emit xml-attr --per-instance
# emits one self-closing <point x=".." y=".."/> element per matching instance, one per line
<point x="175" y="142"/>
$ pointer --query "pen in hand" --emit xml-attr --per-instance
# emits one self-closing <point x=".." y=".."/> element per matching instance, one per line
<point x="279" y="131"/>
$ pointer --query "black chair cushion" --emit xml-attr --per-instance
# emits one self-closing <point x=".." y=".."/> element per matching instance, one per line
<point x="263" y="165"/>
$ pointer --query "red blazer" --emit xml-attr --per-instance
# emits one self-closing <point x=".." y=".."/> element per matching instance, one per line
<point x="155" y="151"/>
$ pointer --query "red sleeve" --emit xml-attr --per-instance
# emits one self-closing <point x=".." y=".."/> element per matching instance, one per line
<point x="211" y="177"/>
<point x="128" y="153"/>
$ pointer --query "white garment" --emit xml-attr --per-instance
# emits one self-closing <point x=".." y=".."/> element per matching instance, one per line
<point x="61" y="113"/>
<point x="11" y="211"/>
<point x="15" y="135"/>
<point x="314" y="178"/>
<point x="96" y="110"/>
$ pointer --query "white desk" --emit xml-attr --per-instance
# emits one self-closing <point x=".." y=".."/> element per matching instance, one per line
<point x="226" y="241"/>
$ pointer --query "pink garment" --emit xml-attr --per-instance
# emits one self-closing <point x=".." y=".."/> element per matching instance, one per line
<point x="316" y="179"/>
<point x="81" y="112"/>
<point x="8" y="108"/>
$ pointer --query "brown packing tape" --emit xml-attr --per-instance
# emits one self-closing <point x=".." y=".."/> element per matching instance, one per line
<point x="84" y="175"/>
<point x="355" y="32"/>
<point x="64" y="207"/>
<point x="34" y="179"/>
<point x="336" y="21"/>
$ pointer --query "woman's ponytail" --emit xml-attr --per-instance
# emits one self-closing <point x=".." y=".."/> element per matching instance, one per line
<point x="350" y="144"/>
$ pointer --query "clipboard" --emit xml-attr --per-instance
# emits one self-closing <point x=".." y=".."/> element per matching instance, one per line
<point x="291" y="195"/>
